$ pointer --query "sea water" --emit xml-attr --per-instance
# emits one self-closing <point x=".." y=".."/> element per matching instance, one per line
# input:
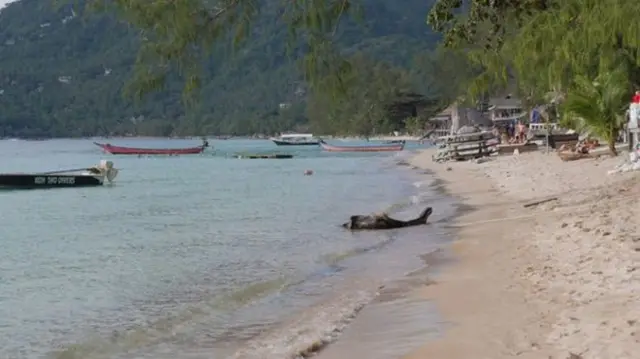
<point x="201" y="256"/>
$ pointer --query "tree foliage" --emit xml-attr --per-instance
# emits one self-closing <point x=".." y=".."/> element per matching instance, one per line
<point x="381" y="98"/>
<point x="364" y="108"/>
<point x="415" y="125"/>
<point x="63" y="69"/>
<point x="179" y="34"/>
<point x="482" y="23"/>
<point x="597" y="105"/>
<point x="445" y="73"/>
<point x="541" y="45"/>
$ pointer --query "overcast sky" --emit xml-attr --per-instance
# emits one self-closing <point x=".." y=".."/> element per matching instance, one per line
<point x="4" y="2"/>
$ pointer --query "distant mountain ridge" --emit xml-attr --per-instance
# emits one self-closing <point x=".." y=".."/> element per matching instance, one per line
<point x="62" y="72"/>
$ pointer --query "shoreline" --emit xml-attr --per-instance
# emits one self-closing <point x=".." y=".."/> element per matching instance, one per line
<point x="537" y="282"/>
<point x="395" y="321"/>
<point x="407" y="138"/>
<point x="388" y="313"/>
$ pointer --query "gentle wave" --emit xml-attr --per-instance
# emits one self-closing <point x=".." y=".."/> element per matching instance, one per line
<point x="162" y="329"/>
<point x="310" y="331"/>
<point x="335" y="258"/>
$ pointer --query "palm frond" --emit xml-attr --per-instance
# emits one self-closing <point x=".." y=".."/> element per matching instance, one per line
<point x="598" y="105"/>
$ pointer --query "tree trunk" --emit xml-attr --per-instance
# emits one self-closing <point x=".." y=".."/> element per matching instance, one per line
<point x="612" y="144"/>
<point x="611" y="141"/>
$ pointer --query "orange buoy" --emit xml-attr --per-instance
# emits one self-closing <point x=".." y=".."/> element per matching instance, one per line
<point x="308" y="172"/>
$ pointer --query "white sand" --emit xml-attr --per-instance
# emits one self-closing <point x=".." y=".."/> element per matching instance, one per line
<point x="563" y="281"/>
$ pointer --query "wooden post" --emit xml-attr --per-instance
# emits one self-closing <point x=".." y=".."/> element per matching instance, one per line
<point x="633" y="138"/>
<point x="632" y="125"/>
<point x="455" y="118"/>
<point x="547" y="141"/>
<point x="547" y="121"/>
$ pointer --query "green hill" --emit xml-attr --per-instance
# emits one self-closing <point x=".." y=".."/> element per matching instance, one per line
<point x="62" y="72"/>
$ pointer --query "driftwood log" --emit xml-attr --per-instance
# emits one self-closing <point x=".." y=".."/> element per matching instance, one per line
<point x="383" y="221"/>
<point x="531" y="204"/>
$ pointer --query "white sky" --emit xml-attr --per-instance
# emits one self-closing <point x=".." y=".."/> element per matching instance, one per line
<point x="4" y="2"/>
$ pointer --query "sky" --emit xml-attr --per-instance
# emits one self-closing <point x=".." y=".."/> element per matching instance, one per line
<point x="4" y="2"/>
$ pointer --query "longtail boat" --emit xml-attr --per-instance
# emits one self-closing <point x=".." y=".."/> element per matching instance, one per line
<point x="385" y="147"/>
<point x="79" y="177"/>
<point x="119" y="150"/>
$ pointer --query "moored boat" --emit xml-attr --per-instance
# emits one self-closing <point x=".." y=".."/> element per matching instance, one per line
<point x="395" y="141"/>
<point x="385" y="147"/>
<point x="276" y="156"/>
<point x="121" y="150"/>
<point x="82" y="177"/>
<point x="296" y="139"/>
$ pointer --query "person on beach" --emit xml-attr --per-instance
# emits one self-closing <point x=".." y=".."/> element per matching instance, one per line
<point x="521" y="130"/>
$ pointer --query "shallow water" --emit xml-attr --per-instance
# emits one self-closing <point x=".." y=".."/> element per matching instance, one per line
<point x="198" y="256"/>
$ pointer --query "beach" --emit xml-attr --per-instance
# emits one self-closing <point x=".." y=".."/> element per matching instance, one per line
<point x="554" y="280"/>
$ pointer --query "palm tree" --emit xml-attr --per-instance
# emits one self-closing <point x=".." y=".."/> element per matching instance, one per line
<point x="598" y="106"/>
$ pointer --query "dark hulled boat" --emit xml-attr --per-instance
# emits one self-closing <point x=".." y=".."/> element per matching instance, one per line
<point x="34" y="180"/>
<point x="88" y="177"/>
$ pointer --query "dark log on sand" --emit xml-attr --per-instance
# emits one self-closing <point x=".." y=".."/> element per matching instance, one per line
<point x="383" y="221"/>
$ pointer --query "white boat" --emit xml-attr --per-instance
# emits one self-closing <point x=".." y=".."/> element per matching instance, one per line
<point x="296" y="139"/>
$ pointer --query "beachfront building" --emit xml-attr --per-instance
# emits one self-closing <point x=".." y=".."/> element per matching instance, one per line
<point x="454" y="117"/>
<point x="440" y="124"/>
<point x="503" y="110"/>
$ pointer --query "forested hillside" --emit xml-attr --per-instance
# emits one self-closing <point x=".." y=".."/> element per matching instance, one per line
<point x="63" y="70"/>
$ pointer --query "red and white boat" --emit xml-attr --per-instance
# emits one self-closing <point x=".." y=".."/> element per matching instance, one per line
<point x="385" y="147"/>
<point x="119" y="150"/>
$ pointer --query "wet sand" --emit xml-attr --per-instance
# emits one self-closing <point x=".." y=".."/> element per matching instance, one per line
<point x="556" y="280"/>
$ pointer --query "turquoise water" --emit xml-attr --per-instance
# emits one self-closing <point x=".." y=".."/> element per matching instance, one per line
<point x="197" y="256"/>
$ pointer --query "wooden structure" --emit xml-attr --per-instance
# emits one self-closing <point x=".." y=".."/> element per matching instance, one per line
<point x="454" y="117"/>
<point x="466" y="146"/>
<point x="569" y="139"/>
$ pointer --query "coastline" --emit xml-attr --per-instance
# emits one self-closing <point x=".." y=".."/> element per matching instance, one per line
<point x="407" y="138"/>
<point x="395" y="321"/>
<point x="550" y="281"/>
